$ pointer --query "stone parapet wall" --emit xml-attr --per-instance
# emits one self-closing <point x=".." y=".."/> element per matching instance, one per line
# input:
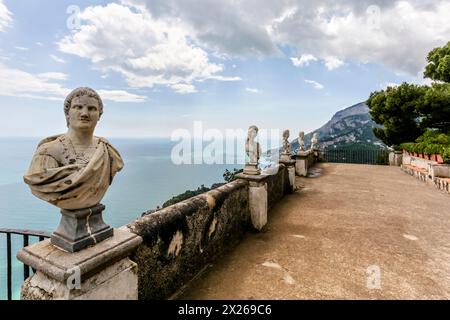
<point x="181" y="240"/>
<point x="277" y="185"/>
<point x="178" y="241"/>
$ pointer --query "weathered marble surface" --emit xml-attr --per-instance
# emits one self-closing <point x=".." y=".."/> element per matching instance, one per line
<point x="314" y="141"/>
<point x="253" y="152"/>
<point x="57" y="175"/>
<point x="74" y="170"/>
<point x="104" y="270"/>
<point x="301" y="141"/>
<point x="286" y="151"/>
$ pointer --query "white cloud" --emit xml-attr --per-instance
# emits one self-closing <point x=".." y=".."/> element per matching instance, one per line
<point x="333" y="63"/>
<point x="120" y="96"/>
<point x="303" y="61"/>
<point x="397" y="34"/>
<point x="231" y="28"/>
<point x="5" y="17"/>
<point x="252" y="90"/>
<point x="183" y="88"/>
<point x="145" y="51"/>
<point x="18" y="83"/>
<point x="22" y="48"/>
<point x="57" y="59"/>
<point x="53" y="76"/>
<point x="222" y="78"/>
<point x="40" y="44"/>
<point x="316" y="84"/>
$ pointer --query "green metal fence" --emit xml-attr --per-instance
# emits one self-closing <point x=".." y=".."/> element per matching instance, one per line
<point x="375" y="157"/>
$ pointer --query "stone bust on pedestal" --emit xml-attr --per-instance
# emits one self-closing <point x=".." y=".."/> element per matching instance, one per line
<point x="286" y="153"/>
<point x="314" y="141"/>
<point x="253" y="152"/>
<point x="73" y="172"/>
<point x="301" y="141"/>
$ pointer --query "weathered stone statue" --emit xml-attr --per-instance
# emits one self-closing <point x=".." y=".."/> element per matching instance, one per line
<point x="314" y="141"/>
<point x="73" y="171"/>
<point x="253" y="152"/>
<point x="301" y="141"/>
<point x="286" y="152"/>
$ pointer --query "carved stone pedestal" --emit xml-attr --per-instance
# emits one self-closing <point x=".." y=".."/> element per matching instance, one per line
<point x="290" y="165"/>
<point x="79" y="229"/>
<point x="258" y="201"/>
<point x="301" y="163"/>
<point x="103" y="271"/>
<point x="396" y="158"/>
<point x="252" y="169"/>
<point x="285" y="157"/>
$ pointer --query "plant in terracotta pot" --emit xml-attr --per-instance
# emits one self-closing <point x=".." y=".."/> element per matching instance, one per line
<point x="446" y="154"/>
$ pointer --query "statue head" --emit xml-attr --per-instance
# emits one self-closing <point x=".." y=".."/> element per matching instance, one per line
<point x="286" y="134"/>
<point x="83" y="107"/>
<point x="252" y="132"/>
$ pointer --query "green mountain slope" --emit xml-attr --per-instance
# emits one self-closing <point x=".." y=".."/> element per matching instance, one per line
<point x="350" y="128"/>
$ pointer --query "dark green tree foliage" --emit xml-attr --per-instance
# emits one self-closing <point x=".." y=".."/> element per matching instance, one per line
<point x="396" y="110"/>
<point x="229" y="176"/>
<point x="434" y="108"/>
<point x="438" y="67"/>
<point x="405" y="112"/>
<point x="186" y="195"/>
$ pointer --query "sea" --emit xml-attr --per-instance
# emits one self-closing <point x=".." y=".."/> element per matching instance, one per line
<point x="148" y="179"/>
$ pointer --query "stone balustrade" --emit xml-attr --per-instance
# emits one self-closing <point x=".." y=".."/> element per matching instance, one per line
<point x="181" y="240"/>
<point x="428" y="171"/>
<point x="156" y="256"/>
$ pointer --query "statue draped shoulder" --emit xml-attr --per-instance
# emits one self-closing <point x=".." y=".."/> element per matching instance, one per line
<point x="55" y="175"/>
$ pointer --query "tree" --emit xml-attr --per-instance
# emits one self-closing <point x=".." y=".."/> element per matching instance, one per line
<point x="396" y="109"/>
<point x="434" y="108"/>
<point x="438" y="67"/>
<point x="229" y="176"/>
<point x="407" y="111"/>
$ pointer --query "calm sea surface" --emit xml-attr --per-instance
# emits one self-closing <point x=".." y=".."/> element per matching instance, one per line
<point x="148" y="179"/>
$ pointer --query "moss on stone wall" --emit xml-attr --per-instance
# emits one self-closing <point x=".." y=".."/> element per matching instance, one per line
<point x="181" y="239"/>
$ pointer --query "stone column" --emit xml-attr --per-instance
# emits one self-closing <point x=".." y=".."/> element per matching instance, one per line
<point x="301" y="163"/>
<point x="290" y="165"/>
<point x="103" y="271"/>
<point x="395" y="158"/>
<point x="258" y="200"/>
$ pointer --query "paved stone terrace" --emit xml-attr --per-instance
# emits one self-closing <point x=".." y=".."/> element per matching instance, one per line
<point x="321" y="240"/>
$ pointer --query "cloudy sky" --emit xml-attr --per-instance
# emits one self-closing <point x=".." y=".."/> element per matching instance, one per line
<point x="160" y="65"/>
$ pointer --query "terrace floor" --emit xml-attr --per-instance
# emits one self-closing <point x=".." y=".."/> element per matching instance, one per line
<point x="326" y="241"/>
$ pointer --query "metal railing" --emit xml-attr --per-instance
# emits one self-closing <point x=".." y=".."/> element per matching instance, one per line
<point x="376" y="157"/>
<point x="26" y="239"/>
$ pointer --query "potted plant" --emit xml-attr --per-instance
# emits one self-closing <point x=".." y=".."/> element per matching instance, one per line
<point x="446" y="154"/>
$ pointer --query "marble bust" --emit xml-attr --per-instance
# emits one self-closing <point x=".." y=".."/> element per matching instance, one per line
<point x="74" y="170"/>
<point x="314" y="141"/>
<point x="301" y="141"/>
<point x="253" y="152"/>
<point x="286" y="151"/>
